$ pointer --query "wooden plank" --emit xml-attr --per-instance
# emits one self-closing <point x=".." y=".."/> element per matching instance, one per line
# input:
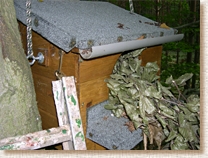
<point x="93" y="92"/>
<point x="152" y="54"/>
<point x="61" y="109"/>
<point x="96" y="68"/>
<point x="43" y="89"/>
<point x="72" y="104"/>
<point x="38" y="139"/>
<point x="48" y="120"/>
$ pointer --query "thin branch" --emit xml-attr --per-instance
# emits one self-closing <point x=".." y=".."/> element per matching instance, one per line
<point x="171" y="102"/>
<point x="180" y="94"/>
<point x="185" y="25"/>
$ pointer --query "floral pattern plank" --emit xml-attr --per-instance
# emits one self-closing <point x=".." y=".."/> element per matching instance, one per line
<point x="38" y="139"/>
<point x="70" y="94"/>
<point x="61" y="109"/>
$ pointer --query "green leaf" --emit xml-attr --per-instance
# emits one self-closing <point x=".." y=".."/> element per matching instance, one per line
<point x="178" y="145"/>
<point x="194" y="99"/>
<point x="146" y="105"/>
<point x="167" y="115"/>
<point x="152" y="92"/>
<point x="137" y="52"/>
<point x="110" y="107"/>
<point x="134" y="64"/>
<point x="161" y="120"/>
<point x="164" y="90"/>
<point x="192" y="107"/>
<point x="117" y="77"/>
<point x="192" y="118"/>
<point x="181" y="119"/>
<point x="118" y="112"/>
<point x="130" y="109"/>
<point x="166" y="109"/>
<point x="182" y="79"/>
<point x="172" y="135"/>
<point x="169" y="80"/>
<point x="166" y="132"/>
<point x="113" y="83"/>
<point x="193" y="103"/>
<point x="187" y="133"/>
<point x="150" y="72"/>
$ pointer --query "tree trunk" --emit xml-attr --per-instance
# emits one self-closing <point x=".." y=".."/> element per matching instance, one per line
<point x="18" y="107"/>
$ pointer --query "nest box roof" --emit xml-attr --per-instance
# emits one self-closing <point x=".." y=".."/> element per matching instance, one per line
<point x="93" y="27"/>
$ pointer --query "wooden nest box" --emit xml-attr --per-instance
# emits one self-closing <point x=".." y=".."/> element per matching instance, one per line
<point x="92" y="36"/>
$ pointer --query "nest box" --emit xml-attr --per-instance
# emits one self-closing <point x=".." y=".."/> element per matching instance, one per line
<point x="93" y="35"/>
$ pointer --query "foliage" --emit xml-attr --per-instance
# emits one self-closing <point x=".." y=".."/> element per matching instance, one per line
<point x="170" y="67"/>
<point x="162" y="112"/>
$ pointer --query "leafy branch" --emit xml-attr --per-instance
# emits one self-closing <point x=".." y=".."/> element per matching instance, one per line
<point x="162" y="112"/>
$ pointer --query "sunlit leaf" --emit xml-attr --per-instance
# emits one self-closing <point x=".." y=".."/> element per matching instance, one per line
<point x="169" y="80"/>
<point x="164" y="90"/>
<point x="137" y="52"/>
<point x="161" y="120"/>
<point x="181" y="119"/>
<point x="178" y="145"/>
<point x="187" y="133"/>
<point x="182" y="79"/>
<point x="118" y="112"/>
<point x="166" y="109"/>
<point x="150" y="72"/>
<point x="147" y="105"/>
<point x="152" y="93"/>
<point x="192" y="107"/>
<point x="166" y="132"/>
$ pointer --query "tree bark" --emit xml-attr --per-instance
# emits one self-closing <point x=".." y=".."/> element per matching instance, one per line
<point x="18" y="107"/>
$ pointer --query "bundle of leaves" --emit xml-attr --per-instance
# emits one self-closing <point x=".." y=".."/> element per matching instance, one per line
<point x="161" y="111"/>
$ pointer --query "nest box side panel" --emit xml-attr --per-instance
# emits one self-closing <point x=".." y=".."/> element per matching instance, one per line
<point x="152" y="54"/>
<point x="44" y="73"/>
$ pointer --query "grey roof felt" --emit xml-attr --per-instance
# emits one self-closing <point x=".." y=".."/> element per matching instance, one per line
<point x="83" y="24"/>
<point x="110" y="131"/>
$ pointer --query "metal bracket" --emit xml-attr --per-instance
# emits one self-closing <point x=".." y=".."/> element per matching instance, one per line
<point x="39" y="58"/>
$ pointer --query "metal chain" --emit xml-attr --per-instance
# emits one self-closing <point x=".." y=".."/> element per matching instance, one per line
<point x="131" y="6"/>
<point x="29" y="33"/>
<point x="29" y="29"/>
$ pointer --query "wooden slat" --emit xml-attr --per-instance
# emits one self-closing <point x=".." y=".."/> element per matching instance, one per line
<point x="38" y="139"/>
<point x="61" y="110"/>
<point x="95" y="68"/>
<point x="48" y="120"/>
<point x="152" y="54"/>
<point x="93" y="92"/>
<point x="72" y="105"/>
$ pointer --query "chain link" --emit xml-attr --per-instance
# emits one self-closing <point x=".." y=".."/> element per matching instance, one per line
<point x="131" y="6"/>
<point x="29" y="30"/>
